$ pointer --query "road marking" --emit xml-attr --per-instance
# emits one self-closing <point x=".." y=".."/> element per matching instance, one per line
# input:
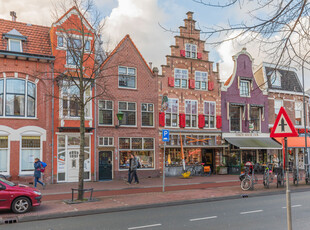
<point x="254" y="211"/>
<point x="294" y="206"/>
<point x="204" y="218"/>
<point x="145" y="226"/>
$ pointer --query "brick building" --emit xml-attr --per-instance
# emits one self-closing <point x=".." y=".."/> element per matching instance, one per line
<point x="25" y="98"/>
<point x="128" y="86"/>
<point x="190" y="103"/>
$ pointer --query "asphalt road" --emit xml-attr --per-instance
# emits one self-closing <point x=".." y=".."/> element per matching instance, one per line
<point x="265" y="212"/>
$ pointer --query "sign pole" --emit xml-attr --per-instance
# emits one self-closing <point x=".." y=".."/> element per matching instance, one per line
<point x="164" y="165"/>
<point x="288" y="192"/>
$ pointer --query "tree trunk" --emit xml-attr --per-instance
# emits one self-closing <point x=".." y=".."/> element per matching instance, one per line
<point x="82" y="143"/>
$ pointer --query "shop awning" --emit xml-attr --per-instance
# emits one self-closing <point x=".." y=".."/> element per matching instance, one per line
<point x="254" y="142"/>
<point x="295" y="142"/>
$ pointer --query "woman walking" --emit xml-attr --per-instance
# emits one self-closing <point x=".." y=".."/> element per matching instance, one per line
<point x="37" y="172"/>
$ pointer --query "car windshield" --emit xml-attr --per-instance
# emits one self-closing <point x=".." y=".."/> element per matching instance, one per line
<point x="7" y="182"/>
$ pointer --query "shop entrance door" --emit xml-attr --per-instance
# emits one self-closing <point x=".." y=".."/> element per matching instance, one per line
<point x="207" y="158"/>
<point x="105" y="165"/>
<point x="73" y="165"/>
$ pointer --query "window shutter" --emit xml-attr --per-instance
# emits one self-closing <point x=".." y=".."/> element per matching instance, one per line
<point x="191" y="83"/>
<point x="182" y="120"/>
<point x="199" y="55"/>
<point x="182" y="53"/>
<point x="171" y="81"/>
<point x="210" y="85"/>
<point x="201" y="121"/>
<point x="218" y="122"/>
<point x="162" y="119"/>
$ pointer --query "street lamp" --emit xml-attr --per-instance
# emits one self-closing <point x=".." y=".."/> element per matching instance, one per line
<point x="120" y="116"/>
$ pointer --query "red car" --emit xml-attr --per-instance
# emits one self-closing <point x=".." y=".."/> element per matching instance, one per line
<point x="18" y="198"/>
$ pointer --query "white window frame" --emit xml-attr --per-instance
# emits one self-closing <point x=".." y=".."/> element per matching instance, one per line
<point x="259" y="117"/>
<point x="6" y="173"/>
<point x="136" y="76"/>
<point x="191" y="114"/>
<point x="180" y="78"/>
<point x="147" y="126"/>
<point x="204" y="104"/>
<point x="275" y="79"/>
<point x="191" y="52"/>
<point x="120" y="125"/>
<point x="63" y="41"/>
<point x="103" y="138"/>
<point x="171" y="126"/>
<point x="21" y="172"/>
<point x="106" y="109"/>
<point x="277" y="100"/>
<point x="240" y="116"/>
<point x="200" y="80"/>
<point x="301" y="112"/>
<point x="249" y="88"/>
<point x="20" y="44"/>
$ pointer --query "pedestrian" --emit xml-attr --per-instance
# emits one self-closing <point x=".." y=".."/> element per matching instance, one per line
<point x="275" y="160"/>
<point x="37" y="172"/>
<point x="132" y="171"/>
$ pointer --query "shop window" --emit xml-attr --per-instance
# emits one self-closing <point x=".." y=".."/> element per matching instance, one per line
<point x="105" y="112"/>
<point x="127" y="77"/>
<point x="147" y="114"/>
<point x="255" y="115"/>
<point x="129" y="111"/>
<point x="180" y="78"/>
<point x="244" y="88"/>
<point x="235" y="118"/>
<point x="201" y="80"/>
<point x="30" y="149"/>
<point x="191" y="110"/>
<point x="172" y="113"/>
<point x="190" y="50"/>
<point x="106" y="141"/>
<point x="209" y="113"/>
<point x="4" y="157"/>
<point x="298" y="113"/>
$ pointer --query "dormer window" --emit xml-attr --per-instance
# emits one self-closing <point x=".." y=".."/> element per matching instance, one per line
<point x="275" y="79"/>
<point x="15" y="39"/>
<point x="15" y="45"/>
<point x="190" y="50"/>
<point x="60" y="41"/>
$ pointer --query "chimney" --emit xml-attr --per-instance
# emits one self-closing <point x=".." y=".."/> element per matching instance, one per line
<point x="13" y="14"/>
<point x="189" y="15"/>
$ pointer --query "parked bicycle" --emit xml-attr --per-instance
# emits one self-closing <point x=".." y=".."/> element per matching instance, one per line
<point x="268" y="175"/>
<point x="279" y="172"/>
<point x="199" y="170"/>
<point x="248" y="178"/>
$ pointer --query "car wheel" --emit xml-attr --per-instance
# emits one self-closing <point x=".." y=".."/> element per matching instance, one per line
<point x="21" y="205"/>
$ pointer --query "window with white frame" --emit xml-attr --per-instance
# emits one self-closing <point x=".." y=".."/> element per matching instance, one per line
<point x="147" y="114"/>
<point x="60" y="41"/>
<point x="172" y="113"/>
<point x="298" y="112"/>
<point x="209" y="113"/>
<point x="4" y="151"/>
<point x="105" y="112"/>
<point x="190" y="50"/>
<point x="129" y="111"/>
<point x="255" y="117"/>
<point x="127" y="77"/>
<point x="74" y="51"/>
<point x="15" y="45"/>
<point x="275" y="79"/>
<point x="87" y="45"/>
<point x="106" y="141"/>
<point x="70" y="100"/>
<point x="244" y="88"/>
<point x="191" y="113"/>
<point x="30" y="149"/>
<point x="235" y="118"/>
<point x="201" y="80"/>
<point x="277" y="105"/>
<point x="180" y="78"/>
<point x="19" y="96"/>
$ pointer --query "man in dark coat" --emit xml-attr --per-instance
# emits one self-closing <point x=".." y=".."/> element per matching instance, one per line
<point x="37" y="172"/>
<point x="132" y="172"/>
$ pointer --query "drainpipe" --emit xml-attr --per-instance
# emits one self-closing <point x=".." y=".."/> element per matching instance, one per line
<point x="52" y="123"/>
<point x="95" y="137"/>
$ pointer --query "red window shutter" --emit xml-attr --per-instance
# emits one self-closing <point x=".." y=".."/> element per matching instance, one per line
<point x="171" y="81"/>
<point x="162" y="119"/>
<point x="182" y="120"/>
<point x="182" y="53"/>
<point x="218" y="122"/>
<point x="191" y="83"/>
<point x="210" y="85"/>
<point x="201" y="121"/>
<point x="199" y="55"/>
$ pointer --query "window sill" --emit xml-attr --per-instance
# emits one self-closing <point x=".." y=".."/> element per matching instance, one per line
<point x="25" y="118"/>
<point x="111" y="126"/>
<point x="126" y="88"/>
<point x="147" y="127"/>
<point x="144" y="169"/>
<point x="127" y="126"/>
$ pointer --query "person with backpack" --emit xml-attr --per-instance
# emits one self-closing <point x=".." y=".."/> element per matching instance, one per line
<point x="133" y="165"/>
<point x="38" y="168"/>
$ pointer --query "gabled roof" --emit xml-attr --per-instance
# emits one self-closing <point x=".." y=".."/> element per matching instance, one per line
<point x="36" y="40"/>
<point x="120" y="44"/>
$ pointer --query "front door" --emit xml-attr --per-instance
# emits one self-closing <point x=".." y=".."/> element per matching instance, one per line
<point x="207" y="158"/>
<point x="73" y="165"/>
<point x="105" y="165"/>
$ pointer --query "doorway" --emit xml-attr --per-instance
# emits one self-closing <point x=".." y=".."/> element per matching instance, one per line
<point x="105" y="165"/>
<point x="73" y="165"/>
<point x="208" y="158"/>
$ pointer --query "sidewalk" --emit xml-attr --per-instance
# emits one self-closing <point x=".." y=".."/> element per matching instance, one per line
<point x="117" y="195"/>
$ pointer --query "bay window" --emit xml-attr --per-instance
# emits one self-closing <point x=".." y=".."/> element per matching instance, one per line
<point x="191" y="110"/>
<point x="209" y="113"/>
<point x="172" y="112"/>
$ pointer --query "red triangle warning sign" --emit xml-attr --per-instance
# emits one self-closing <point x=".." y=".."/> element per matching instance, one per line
<point x="283" y="126"/>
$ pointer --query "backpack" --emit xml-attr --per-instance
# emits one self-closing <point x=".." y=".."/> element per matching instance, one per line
<point x="43" y="165"/>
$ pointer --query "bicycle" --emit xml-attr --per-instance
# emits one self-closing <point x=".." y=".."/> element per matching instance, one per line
<point x="279" y="171"/>
<point x="247" y="181"/>
<point x="268" y="176"/>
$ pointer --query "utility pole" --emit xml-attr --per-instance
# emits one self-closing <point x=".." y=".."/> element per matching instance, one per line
<point x="288" y="192"/>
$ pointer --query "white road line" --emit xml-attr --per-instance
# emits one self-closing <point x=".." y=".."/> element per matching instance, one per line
<point x="145" y="226"/>
<point x="294" y="206"/>
<point x="254" y="211"/>
<point x="204" y="218"/>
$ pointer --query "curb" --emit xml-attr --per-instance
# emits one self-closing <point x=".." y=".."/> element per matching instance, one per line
<point x="158" y="205"/>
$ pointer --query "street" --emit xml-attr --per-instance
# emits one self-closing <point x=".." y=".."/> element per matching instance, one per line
<point x="265" y="212"/>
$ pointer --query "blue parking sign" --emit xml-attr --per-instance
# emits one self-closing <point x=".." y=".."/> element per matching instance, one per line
<point x="165" y="135"/>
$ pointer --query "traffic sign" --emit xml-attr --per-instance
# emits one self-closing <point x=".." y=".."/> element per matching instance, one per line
<point x="283" y="126"/>
<point x="165" y="135"/>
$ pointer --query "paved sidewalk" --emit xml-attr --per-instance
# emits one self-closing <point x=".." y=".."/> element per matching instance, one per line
<point x="146" y="194"/>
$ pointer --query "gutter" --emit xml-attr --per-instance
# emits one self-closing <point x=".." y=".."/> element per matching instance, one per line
<point x="27" y="55"/>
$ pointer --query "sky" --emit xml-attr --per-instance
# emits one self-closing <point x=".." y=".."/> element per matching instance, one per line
<point x="152" y="25"/>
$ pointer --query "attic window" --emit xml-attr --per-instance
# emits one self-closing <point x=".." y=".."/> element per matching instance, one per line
<point x="275" y="79"/>
<point x="15" y="45"/>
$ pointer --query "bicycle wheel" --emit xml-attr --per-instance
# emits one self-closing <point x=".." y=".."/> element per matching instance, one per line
<point x="246" y="184"/>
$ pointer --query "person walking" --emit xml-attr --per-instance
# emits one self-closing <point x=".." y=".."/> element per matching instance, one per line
<point x="132" y="171"/>
<point x="37" y="172"/>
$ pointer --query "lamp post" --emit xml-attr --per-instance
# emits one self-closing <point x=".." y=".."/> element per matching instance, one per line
<point x="306" y="157"/>
<point x="120" y="116"/>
